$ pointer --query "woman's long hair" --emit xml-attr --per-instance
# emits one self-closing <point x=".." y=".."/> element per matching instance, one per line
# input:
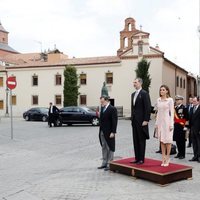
<point x="167" y="88"/>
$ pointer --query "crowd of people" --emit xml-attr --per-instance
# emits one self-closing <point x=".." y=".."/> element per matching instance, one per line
<point x="174" y="122"/>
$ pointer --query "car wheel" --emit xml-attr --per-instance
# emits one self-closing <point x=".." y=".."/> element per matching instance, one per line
<point x="58" y="122"/>
<point x="95" y="121"/>
<point x="27" y="118"/>
<point x="44" y="118"/>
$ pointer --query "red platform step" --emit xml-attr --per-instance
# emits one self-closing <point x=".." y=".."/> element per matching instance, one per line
<point x="152" y="170"/>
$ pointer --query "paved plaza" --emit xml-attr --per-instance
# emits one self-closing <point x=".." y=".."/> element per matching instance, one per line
<point x="61" y="163"/>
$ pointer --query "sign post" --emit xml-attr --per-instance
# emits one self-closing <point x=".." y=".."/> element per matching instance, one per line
<point x="11" y="84"/>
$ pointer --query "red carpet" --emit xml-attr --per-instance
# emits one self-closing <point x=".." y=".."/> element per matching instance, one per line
<point x="152" y="166"/>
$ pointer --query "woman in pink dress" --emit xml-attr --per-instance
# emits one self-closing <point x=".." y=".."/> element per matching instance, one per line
<point x="165" y="123"/>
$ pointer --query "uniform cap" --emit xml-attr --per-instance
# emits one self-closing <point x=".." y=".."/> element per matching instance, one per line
<point x="179" y="97"/>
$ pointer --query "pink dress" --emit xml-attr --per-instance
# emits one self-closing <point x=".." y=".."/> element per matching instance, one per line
<point x="165" y="119"/>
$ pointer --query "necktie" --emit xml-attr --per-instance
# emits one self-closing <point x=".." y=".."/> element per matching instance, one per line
<point x="194" y="109"/>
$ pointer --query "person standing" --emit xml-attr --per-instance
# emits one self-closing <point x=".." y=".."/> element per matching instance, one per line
<point x="107" y="131"/>
<point x="180" y="119"/>
<point x="165" y="123"/>
<point x="140" y="116"/>
<point x="195" y="129"/>
<point x="189" y="108"/>
<point x="53" y="112"/>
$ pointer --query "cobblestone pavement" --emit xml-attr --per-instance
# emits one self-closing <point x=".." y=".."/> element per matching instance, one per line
<point x="61" y="163"/>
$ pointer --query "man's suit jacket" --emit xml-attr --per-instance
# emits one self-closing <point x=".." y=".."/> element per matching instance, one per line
<point x="195" y="121"/>
<point x="55" y="110"/>
<point x="141" y="110"/>
<point x="108" y="124"/>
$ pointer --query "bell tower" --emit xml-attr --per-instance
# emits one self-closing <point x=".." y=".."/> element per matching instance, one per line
<point x="126" y="35"/>
<point x="3" y="35"/>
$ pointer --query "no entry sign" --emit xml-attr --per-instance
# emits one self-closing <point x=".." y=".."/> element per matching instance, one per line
<point x="11" y="82"/>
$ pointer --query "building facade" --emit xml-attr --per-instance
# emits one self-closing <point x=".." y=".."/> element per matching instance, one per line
<point x="40" y="81"/>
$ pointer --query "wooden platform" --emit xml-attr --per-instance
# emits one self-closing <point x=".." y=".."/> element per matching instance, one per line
<point x="151" y="170"/>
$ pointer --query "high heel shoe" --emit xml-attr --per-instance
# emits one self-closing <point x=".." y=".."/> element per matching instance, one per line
<point x="163" y="162"/>
<point x="166" y="164"/>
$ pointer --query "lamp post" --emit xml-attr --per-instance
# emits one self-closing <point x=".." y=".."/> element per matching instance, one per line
<point x="7" y="91"/>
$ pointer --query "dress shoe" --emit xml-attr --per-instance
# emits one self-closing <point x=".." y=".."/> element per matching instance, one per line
<point x="102" y="167"/>
<point x="177" y="156"/>
<point x="159" y="151"/>
<point x="134" y="161"/>
<point x="181" y="157"/>
<point x="198" y="160"/>
<point x="140" y="162"/>
<point x="193" y="159"/>
<point x="107" y="169"/>
<point x="189" y="145"/>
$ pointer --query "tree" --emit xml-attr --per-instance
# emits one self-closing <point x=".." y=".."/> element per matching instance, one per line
<point x="70" y="86"/>
<point x="142" y="72"/>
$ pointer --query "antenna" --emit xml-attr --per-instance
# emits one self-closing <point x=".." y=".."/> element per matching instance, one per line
<point x="39" y="42"/>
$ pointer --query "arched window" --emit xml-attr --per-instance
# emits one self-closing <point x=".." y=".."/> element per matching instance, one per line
<point x="125" y="42"/>
<point x="129" y="27"/>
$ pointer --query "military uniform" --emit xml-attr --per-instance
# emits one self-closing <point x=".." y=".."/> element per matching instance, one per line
<point x="180" y="118"/>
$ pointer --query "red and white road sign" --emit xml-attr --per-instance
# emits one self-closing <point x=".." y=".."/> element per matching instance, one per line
<point x="11" y="82"/>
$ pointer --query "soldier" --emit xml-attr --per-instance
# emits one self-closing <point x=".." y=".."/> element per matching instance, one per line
<point x="180" y="118"/>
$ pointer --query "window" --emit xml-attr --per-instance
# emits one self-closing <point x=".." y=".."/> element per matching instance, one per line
<point x="35" y="99"/>
<point x="58" y="99"/>
<point x="125" y="42"/>
<point x="181" y="82"/>
<point x="129" y="27"/>
<point x="177" y="81"/>
<point x="109" y="78"/>
<point x="1" y="81"/>
<point x="83" y="79"/>
<point x="140" y="48"/>
<point x="35" y="80"/>
<point x="184" y="83"/>
<point x="14" y="100"/>
<point x="58" y="78"/>
<point x="1" y="105"/>
<point x="83" y="99"/>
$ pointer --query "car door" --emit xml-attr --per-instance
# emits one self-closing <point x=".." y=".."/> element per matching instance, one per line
<point x="80" y="115"/>
<point x="66" y="114"/>
<point x="36" y="114"/>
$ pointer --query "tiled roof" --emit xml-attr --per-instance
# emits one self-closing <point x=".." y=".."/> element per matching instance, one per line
<point x="6" y="47"/>
<point x="72" y="61"/>
<point x="90" y="60"/>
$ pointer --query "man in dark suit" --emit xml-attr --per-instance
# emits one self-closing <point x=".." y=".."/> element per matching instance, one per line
<point x="140" y="116"/>
<point x="107" y="131"/>
<point x="180" y="119"/>
<point x="189" y="108"/>
<point x="53" y="114"/>
<point x="195" y="129"/>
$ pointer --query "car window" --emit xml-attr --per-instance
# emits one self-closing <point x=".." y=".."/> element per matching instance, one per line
<point x="88" y="109"/>
<point x="67" y="109"/>
<point x="44" y="110"/>
<point x="77" y="110"/>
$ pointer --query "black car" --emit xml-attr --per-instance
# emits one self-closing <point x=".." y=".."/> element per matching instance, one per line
<point x="78" y="115"/>
<point x="37" y="113"/>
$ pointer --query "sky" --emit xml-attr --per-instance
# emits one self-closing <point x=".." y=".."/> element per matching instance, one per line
<point x="88" y="28"/>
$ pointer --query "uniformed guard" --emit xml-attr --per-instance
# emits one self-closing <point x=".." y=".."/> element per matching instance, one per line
<point x="180" y="119"/>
